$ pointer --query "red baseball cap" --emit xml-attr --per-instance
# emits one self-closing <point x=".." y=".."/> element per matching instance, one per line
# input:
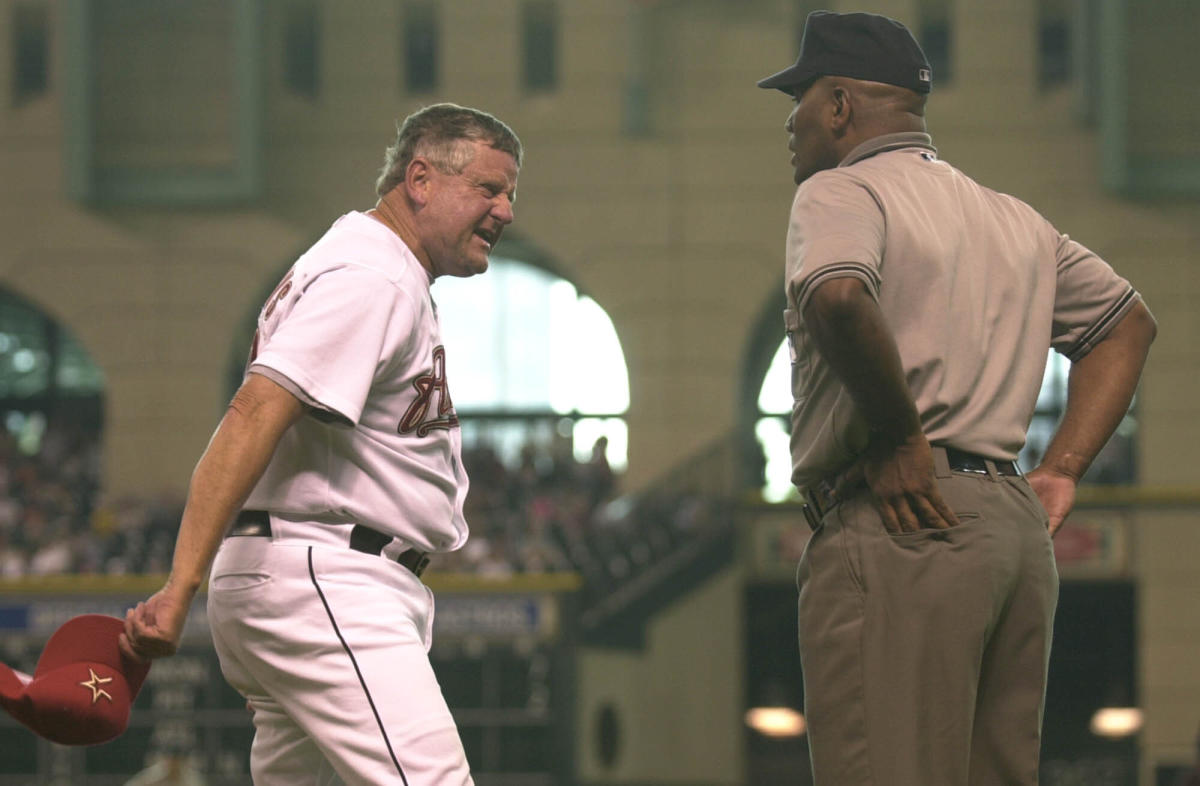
<point x="83" y="686"/>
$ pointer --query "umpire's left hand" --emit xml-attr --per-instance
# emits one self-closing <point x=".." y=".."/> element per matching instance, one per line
<point x="904" y="487"/>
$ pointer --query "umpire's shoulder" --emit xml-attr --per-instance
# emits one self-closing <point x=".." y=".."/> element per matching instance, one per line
<point x="840" y="187"/>
<point x="1014" y="209"/>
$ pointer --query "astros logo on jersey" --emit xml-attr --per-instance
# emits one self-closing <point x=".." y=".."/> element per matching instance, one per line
<point x="414" y="419"/>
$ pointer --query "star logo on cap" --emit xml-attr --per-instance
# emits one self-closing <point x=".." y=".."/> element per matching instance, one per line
<point x="94" y="684"/>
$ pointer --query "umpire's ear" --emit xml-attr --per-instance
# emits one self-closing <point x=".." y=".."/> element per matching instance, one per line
<point x="841" y="110"/>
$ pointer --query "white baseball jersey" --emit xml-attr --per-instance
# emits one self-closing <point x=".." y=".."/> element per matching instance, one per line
<point x="352" y="331"/>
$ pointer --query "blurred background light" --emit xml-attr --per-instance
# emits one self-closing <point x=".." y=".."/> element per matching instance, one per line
<point x="776" y="721"/>
<point x="1116" y="722"/>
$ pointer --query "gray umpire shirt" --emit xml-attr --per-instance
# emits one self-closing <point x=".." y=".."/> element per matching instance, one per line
<point x="975" y="285"/>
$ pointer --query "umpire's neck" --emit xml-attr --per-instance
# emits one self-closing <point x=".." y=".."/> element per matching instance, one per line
<point x="860" y="111"/>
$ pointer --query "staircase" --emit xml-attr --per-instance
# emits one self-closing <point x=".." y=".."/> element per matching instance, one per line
<point x="644" y="551"/>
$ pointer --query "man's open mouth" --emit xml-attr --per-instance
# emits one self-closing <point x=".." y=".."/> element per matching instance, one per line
<point x="488" y="236"/>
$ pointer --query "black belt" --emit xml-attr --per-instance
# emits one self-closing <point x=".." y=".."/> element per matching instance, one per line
<point x="257" y="523"/>
<point x="821" y="497"/>
<point x="962" y="461"/>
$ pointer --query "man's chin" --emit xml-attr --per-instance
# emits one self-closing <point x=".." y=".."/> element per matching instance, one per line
<point x="471" y="267"/>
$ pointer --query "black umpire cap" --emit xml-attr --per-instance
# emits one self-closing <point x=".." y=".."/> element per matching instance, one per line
<point x="860" y="46"/>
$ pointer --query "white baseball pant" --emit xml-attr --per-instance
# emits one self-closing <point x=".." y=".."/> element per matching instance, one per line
<point x="330" y="648"/>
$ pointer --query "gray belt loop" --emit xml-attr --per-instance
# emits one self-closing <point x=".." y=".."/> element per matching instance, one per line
<point x="941" y="464"/>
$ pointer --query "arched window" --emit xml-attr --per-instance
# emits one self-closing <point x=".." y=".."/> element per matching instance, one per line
<point x="1114" y="465"/>
<point x="49" y="386"/>
<point x="527" y="357"/>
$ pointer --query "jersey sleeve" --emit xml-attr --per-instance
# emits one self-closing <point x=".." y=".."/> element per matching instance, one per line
<point x="1090" y="298"/>
<point x="836" y="231"/>
<point x="332" y="335"/>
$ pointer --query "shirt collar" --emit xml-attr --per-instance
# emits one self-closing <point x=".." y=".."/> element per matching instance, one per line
<point x="886" y="142"/>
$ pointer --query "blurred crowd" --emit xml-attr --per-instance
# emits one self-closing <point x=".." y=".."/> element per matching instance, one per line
<point x="54" y="519"/>
<point x="524" y="517"/>
<point x="531" y="515"/>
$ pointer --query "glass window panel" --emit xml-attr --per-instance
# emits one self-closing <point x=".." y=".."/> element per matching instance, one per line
<point x="48" y="383"/>
<point x="164" y="85"/>
<point x="563" y="298"/>
<point x="520" y="338"/>
<point x="523" y="333"/>
<point x="301" y="51"/>
<point x="1054" y="52"/>
<point x="161" y="99"/>
<point x="420" y="47"/>
<point x="1053" y="394"/>
<point x="494" y="332"/>
<point x="76" y="371"/>
<point x="24" y="360"/>
<point x="31" y="344"/>
<point x="467" y="318"/>
<point x="30" y="34"/>
<point x="523" y="348"/>
<point x="599" y="381"/>
<point x="775" y="396"/>
<point x="539" y="39"/>
<point x="772" y="435"/>
<point x="1037" y="439"/>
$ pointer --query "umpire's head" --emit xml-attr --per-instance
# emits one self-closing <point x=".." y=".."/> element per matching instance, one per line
<point x="858" y="76"/>
<point x="869" y="47"/>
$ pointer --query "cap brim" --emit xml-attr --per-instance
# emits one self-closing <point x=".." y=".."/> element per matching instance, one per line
<point x="788" y="79"/>
<point x="12" y="686"/>
<point x="12" y="692"/>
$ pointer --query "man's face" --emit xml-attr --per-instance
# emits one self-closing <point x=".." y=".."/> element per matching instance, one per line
<point x="809" y="137"/>
<point x="467" y="212"/>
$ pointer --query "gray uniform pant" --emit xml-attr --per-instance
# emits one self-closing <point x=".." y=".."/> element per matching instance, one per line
<point x="925" y="654"/>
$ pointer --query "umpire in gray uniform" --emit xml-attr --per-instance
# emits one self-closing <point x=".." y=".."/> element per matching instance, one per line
<point x="921" y="306"/>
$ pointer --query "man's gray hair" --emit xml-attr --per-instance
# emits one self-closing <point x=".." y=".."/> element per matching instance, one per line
<point x="438" y="133"/>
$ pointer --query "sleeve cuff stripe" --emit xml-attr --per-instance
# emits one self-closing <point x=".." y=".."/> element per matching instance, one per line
<point x="841" y="270"/>
<point x="1103" y="325"/>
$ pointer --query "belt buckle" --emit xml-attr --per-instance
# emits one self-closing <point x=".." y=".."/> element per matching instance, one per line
<point x="810" y="516"/>
<point x="820" y="499"/>
<point x="962" y="461"/>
